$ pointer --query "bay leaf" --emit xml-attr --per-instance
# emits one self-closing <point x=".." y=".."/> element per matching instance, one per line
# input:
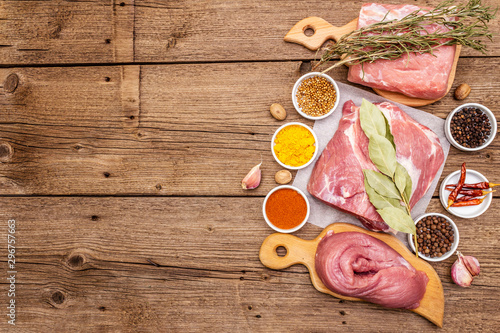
<point x="379" y="201"/>
<point x="382" y="184"/>
<point x="408" y="187"/>
<point x="388" y="133"/>
<point x="382" y="154"/>
<point x="398" y="219"/>
<point x="372" y="119"/>
<point x="403" y="181"/>
<point x="400" y="177"/>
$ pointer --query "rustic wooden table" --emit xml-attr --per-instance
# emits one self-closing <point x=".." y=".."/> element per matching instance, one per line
<point x="125" y="130"/>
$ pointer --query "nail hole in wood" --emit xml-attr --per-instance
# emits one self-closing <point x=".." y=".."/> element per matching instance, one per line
<point x="342" y="312"/>
<point x="258" y="316"/>
<point x="250" y="307"/>
<point x="94" y="218"/>
<point x="107" y="79"/>
<point x="102" y="308"/>
<point x="158" y="187"/>
<point x="58" y="297"/>
<point x="242" y="278"/>
<point x="309" y="31"/>
<point x="243" y="272"/>
<point x="106" y="174"/>
<point x="132" y="117"/>
<point x="281" y="251"/>
<point x="488" y="155"/>
<point x="122" y="4"/>
<point x="344" y="322"/>
<point x="108" y="41"/>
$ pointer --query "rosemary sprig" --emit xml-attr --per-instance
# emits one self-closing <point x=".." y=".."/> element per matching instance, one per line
<point x="463" y="24"/>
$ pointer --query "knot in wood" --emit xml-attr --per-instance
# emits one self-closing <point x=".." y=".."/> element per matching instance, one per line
<point x="76" y="261"/>
<point x="11" y="83"/>
<point x="6" y="152"/>
<point x="58" y="297"/>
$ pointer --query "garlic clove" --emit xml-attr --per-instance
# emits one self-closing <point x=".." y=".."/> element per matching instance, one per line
<point x="252" y="179"/>
<point x="464" y="269"/>
<point x="472" y="265"/>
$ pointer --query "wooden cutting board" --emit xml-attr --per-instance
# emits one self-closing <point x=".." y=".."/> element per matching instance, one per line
<point x="299" y="251"/>
<point x="324" y="31"/>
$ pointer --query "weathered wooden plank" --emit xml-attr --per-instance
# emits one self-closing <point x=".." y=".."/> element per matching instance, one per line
<point x="243" y="30"/>
<point x="181" y="130"/>
<point x="45" y="32"/>
<point x="191" y="264"/>
<point x="111" y="31"/>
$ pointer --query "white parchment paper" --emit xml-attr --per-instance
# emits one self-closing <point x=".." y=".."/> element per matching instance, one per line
<point x="322" y="214"/>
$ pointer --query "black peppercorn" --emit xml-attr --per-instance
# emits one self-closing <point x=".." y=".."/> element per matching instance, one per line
<point x="434" y="236"/>
<point x="470" y="127"/>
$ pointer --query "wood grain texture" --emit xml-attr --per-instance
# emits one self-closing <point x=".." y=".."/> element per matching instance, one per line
<point x="113" y="31"/>
<point x="191" y="264"/>
<point x="243" y="30"/>
<point x="169" y="130"/>
<point x="47" y="32"/>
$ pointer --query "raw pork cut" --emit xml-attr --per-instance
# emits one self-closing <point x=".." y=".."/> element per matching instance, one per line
<point x="359" y="265"/>
<point x="417" y="75"/>
<point x="337" y="178"/>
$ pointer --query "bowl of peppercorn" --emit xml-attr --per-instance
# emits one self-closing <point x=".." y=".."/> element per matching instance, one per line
<point x="470" y="127"/>
<point x="437" y="237"/>
<point x="315" y="95"/>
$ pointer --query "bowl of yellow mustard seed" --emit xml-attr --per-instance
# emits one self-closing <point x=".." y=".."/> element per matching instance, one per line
<point x="315" y="95"/>
<point x="294" y="146"/>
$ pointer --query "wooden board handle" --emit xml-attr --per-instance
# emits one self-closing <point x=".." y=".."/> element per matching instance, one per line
<point x="298" y="251"/>
<point x="323" y="31"/>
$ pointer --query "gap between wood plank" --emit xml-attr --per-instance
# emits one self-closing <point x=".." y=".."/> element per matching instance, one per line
<point x="153" y="63"/>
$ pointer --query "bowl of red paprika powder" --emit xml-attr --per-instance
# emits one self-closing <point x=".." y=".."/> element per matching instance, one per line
<point x="286" y="209"/>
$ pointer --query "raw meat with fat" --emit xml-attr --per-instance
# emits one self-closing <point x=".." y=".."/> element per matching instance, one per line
<point x="359" y="265"/>
<point x="415" y="75"/>
<point x="337" y="178"/>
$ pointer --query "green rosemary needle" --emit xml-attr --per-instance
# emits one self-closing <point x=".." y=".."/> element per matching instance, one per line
<point x="465" y="24"/>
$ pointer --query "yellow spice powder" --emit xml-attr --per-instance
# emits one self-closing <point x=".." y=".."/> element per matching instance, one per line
<point x="294" y="145"/>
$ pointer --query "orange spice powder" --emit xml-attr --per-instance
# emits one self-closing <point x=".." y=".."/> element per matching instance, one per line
<point x="286" y="208"/>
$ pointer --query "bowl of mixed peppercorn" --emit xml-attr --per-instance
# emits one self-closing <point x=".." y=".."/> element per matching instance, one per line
<point x="315" y="95"/>
<point x="437" y="237"/>
<point x="470" y="127"/>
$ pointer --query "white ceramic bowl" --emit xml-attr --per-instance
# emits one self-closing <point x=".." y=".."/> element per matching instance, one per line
<point x="296" y="86"/>
<point x="315" y="144"/>
<point x="454" y="246"/>
<point x="486" y="111"/>
<point x="467" y="212"/>
<point x="275" y="227"/>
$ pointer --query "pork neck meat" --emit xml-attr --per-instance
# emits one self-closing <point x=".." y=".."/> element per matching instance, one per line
<point x="358" y="265"/>
<point x="415" y="75"/>
<point x="337" y="178"/>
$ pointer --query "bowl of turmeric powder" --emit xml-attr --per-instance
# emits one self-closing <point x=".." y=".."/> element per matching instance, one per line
<point x="294" y="146"/>
<point x="286" y="209"/>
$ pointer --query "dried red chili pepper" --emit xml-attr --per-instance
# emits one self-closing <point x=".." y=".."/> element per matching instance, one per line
<point x="453" y="195"/>
<point x="473" y="202"/>
<point x="482" y="185"/>
<point x="474" y="193"/>
<point x="465" y="198"/>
